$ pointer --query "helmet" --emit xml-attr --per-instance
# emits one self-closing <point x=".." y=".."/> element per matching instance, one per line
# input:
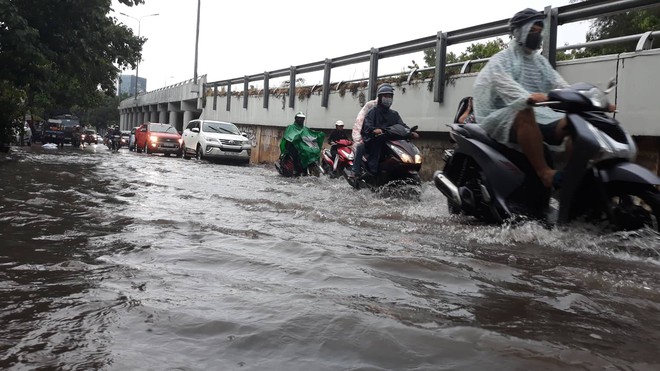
<point x="300" y="114"/>
<point x="385" y="89"/>
<point x="339" y="123"/>
<point x="525" y="16"/>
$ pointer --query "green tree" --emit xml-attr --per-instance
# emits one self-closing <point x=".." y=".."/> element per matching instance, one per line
<point x="473" y="52"/>
<point x="616" y="25"/>
<point x="57" y="54"/>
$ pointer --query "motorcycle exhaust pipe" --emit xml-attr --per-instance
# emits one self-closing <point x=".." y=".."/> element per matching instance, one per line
<point x="447" y="188"/>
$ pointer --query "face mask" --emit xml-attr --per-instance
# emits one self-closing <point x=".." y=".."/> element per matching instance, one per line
<point x="533" y="41"/>
<point x="387" y="102"/>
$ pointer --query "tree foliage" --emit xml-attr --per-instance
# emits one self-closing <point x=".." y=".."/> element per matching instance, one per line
<point x="473" y="52"/>
<point x="621" y="24"/>
<point x="57" y="54"/>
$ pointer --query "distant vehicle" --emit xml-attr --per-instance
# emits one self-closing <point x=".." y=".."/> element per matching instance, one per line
<point x="125" y="135"/>
<point x="89" y="136"/>
<point x="206" y="139"/>
<point x="154" y="137"/>
<point x="53" y="132"/>
<point x="66" y="123"/>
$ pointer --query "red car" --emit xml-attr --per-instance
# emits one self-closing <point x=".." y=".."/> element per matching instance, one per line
<point x="154" y="137"/>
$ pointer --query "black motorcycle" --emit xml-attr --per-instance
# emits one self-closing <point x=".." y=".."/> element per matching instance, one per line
<point x="115" y="143"/>
<point x="492" y="182"/>
<point x="399" y="164"/>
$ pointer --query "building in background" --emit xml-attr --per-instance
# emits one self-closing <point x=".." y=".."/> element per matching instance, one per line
<point x="126" y="85"/>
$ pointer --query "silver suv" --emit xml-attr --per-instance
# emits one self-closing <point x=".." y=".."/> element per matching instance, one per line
<point x="216" y="140"/>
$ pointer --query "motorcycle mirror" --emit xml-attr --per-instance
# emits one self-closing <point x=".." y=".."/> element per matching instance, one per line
<point x="414" y="128"/>
<point x="610" y="85"/>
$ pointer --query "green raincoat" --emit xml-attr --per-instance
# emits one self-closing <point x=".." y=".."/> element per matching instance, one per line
<point x="308" y="142"/>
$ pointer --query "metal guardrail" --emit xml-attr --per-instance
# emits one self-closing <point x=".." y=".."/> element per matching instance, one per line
<point x="555" y="17"/>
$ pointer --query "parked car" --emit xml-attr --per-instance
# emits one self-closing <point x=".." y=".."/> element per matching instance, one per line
<point x="216" y="140"/>
<point x="154" y="137"/>
<point x="131" y="139"/>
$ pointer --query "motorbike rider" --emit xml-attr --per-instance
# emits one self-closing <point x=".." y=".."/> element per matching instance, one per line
<point x="302" y="144"/>
<point x="378" y="118"/>
<point x="508" y="86"/>
<point x="358" y="143"/>
<point x="75" y="135"/>
<point x="335" y="136"/>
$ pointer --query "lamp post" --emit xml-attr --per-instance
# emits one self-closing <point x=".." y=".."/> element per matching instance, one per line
<point x="199" y="5"/>
<point x="137" y="64"/>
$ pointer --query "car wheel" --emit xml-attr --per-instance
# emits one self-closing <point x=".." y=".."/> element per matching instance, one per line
<point x="184" y="152"/>
<point x="198" y="153"/>
<point x="138" y="149"/>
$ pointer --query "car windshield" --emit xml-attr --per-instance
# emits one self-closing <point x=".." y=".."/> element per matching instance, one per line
<point x="162" y="128"/>
<point x="89" y="132"/>
<point x="221" y="127"/>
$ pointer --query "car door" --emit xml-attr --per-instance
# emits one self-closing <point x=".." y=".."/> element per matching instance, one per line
<point x="192" y="135"/>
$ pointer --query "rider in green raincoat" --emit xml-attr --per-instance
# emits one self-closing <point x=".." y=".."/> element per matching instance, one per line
<point x="303" y="144"/>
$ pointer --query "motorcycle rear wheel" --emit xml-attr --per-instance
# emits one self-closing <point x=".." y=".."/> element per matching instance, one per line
<point x="633" y="206"/>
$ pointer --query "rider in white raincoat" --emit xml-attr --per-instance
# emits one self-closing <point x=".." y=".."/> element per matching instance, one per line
<point x="510" y="76"/>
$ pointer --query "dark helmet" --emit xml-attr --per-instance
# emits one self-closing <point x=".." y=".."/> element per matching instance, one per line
<point x="524" y="16"/>
<point x="385" y="89"/>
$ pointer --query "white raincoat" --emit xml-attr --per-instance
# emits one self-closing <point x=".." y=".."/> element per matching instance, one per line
<point x="359" y="120"/>
<point x="503" y="86"/>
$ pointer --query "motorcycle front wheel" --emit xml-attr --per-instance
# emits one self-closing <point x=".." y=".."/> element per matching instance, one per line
<point x="633" y="206"/>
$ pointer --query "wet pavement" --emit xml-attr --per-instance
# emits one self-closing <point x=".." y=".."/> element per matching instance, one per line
<point x="133" y="261"/>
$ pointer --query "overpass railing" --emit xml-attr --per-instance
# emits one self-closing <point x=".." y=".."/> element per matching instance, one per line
<point x="554" y="18"/>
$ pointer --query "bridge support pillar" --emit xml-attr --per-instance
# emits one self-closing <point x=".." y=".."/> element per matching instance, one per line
<point x="187" y="117"/>
<point x="174" y="118"/>
<point x="162" y="113"/>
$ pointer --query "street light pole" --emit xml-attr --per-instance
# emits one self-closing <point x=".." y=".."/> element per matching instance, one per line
<point x="137" y="64"/>
<point x="199" y="3"/>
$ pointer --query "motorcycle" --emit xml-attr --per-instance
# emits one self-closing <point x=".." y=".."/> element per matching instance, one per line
<point x="286" y="168"/>
<point x="399" y="163"/>
<point x="493" y="183"/>
<point x="114" y="143"/>
<point x="334" y="167"/>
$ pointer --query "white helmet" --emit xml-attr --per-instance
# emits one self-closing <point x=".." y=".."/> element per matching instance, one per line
<point x="339" y="123"/>
<point x="300" y="114"/>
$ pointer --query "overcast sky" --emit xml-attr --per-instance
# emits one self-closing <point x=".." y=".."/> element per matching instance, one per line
<point x="246" y="37"/>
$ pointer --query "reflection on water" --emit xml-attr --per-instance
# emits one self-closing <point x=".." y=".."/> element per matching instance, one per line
<point x="127" y="261"/>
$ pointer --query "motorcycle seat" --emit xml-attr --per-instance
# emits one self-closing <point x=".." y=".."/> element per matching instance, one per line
<point x="478" y="133"/>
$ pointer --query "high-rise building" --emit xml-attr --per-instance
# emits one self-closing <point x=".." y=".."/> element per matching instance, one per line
<point x="126" y="85"/>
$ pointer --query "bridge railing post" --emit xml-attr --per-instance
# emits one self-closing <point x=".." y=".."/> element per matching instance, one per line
<point x="266" y="89"/>
<point x="440" y="67"/>
<point x="373" y="73"/>
<point x="292" y="87"/>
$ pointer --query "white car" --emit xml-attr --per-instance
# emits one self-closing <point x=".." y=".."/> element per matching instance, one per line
<point x="207" y="139"/>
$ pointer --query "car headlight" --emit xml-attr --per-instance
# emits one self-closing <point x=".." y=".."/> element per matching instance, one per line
<point x="180" y="141"/>
<point x="210" y="139"/>
<point x="153" y="138"/>
<point x="247" y="145"/>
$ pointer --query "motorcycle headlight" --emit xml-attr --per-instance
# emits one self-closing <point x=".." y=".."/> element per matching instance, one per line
<point x="180" y="141"/>
<point x="405" y="158"/>
<point x="153" y="138"/>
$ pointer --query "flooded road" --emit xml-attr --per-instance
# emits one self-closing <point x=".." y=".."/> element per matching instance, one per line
<point x="132" y="261"/>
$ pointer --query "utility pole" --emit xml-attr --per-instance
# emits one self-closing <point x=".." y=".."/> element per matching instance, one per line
<point x="199" y="3"/>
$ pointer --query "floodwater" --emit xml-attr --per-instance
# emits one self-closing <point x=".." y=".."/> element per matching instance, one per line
<point x="129" y="261"/>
